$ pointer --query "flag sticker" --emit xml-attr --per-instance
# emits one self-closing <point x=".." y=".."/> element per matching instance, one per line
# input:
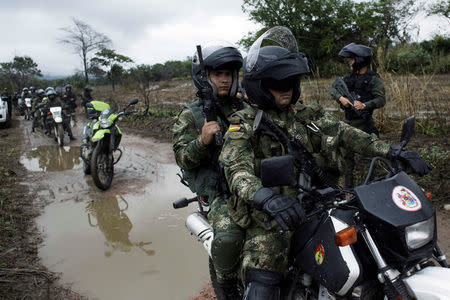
<point x="234" y="128"/>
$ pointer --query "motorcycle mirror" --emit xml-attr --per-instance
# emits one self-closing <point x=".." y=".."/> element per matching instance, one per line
<point x="407" y="131"/>
<point x="133" y="101"/>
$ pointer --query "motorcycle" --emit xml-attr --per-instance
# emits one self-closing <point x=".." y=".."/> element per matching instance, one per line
<point x="376" y="241"/>
<point x="100" y="140"/>
<point x="27" y="108"/>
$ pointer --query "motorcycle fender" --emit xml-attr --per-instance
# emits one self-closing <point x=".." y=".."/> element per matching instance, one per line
<point x="58" y="120"/>
<point x="431" y="283"/>
<point x="100" y="134"/>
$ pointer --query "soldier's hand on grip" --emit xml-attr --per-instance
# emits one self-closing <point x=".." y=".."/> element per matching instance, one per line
<point x="411" y="159"/>
<point x="286" y="210"/>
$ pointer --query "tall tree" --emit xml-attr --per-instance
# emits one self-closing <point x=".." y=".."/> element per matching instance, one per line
<point x="84" y="39"/>
<point x="113" y="61"/>
<point x="20" y="72"/>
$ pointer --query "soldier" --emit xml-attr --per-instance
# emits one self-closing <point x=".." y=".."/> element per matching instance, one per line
<point x="368" y="88"/>
<point x="272" y="83"/>
<point x="36" y="113"/>
<point x="69" y="98"/>
<point x="197" y="155"/>
<point x="86" y="96"/>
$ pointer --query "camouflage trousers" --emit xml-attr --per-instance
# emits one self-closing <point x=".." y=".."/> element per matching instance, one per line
<point x="266" y="249"/>
<point x="226" y="249"/>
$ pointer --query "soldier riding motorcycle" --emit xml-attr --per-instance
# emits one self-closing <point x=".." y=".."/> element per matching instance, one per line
<point x="362" y="243"/>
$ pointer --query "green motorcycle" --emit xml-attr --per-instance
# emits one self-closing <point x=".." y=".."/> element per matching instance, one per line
<point x="101" y="140"/>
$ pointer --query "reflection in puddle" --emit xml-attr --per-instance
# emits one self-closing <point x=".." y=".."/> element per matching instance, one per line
<point x="109" y="216"/>
<point x="51" y="158"/>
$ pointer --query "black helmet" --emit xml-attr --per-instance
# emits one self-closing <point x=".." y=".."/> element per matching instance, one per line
<point x="88" y="88"/>
<point x="218" y="55"/>
<point x="362" y="55"/>
<point x="271" y="66"/>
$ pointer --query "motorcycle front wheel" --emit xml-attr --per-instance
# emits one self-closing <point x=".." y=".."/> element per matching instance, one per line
<point x="102" y="167"/>
<point x="60" y="134"/>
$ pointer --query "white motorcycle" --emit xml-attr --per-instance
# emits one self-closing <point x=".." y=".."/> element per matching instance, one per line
<point x="57" y="124"/>
<point x="376" y="242"/>
<point x="27" y="108"/>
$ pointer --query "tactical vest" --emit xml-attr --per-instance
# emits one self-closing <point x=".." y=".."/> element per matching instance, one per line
<point x="359" y="85"/>
<point x="203" y="180"/>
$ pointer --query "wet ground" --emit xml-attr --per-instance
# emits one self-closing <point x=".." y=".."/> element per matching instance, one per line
<point x="124" y="243"/>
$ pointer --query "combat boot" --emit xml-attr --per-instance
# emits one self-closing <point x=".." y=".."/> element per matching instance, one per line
<point x="262" y="284"/>
<point x="227" y="290"/>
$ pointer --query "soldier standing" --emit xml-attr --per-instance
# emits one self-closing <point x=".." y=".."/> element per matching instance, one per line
<point x="272" y="83"/>
<point x="369" y="94"/>
<point x="197" y="155"/>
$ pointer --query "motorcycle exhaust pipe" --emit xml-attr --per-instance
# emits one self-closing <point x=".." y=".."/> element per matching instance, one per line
<point x="198" y="226"/>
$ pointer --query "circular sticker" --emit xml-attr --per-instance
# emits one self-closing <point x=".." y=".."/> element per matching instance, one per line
<point x="405" y="199"/>
<point x="320" y="254"/>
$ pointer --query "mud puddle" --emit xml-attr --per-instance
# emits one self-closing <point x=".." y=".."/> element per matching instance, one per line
<point x="124" y="243"/>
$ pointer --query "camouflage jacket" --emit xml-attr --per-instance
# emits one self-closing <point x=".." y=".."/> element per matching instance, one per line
<point x="190" y="153"/>
<point x="244" y="149"/>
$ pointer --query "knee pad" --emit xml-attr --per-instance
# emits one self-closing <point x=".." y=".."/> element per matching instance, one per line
<point x="262" y="284"/>
<point x="226" y="250"/>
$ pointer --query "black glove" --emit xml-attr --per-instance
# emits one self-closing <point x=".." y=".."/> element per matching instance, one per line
<point x="412" y="160"/>
<point x="284" y="209"/>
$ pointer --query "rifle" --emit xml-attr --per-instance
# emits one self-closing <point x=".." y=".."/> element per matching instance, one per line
<point x="341" y="87"/>
<point x="207" y="97"/>
<point x="303" y="161"/>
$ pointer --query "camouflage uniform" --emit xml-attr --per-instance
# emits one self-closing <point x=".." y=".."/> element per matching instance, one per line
<point x="264" y="247"/>
<point x="191" y="155"/>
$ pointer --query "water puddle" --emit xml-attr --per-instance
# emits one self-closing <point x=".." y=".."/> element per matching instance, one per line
<point x="127" y="242"/>
<point x="51" y="158"/>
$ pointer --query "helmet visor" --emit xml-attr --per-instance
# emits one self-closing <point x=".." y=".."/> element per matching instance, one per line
<point x="276" y="36"/>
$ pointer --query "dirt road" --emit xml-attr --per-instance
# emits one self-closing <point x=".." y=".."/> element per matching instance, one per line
<point x="124" y="243"/>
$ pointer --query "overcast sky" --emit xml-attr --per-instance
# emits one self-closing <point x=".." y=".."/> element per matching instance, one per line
<point x="148" y="31"/>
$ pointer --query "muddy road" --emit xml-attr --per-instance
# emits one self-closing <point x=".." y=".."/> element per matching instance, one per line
<point x="124" y="243"/>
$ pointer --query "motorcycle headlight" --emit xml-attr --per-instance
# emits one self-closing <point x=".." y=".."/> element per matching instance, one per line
<point x="105" y="123"/>
<point x="419" y="234"/>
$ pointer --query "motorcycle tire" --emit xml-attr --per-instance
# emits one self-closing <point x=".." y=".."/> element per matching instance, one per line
<point x="60" y="134"/>
<point x="86" y="167"/>
<point x="102" y="169"/>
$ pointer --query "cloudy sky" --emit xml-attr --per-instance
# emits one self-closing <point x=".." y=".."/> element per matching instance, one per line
<point x="148" y="31"/>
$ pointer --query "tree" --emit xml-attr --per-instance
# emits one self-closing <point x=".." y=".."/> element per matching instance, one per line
<point x="440" y="8"/>
<point x="20" y="72"/>
<point x="84" y="40"/>
<point x="110" y="59"/>
<point x="323" y="27"/>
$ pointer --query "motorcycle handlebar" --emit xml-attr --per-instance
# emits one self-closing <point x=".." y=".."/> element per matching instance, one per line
<point x="183" y="202"/>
